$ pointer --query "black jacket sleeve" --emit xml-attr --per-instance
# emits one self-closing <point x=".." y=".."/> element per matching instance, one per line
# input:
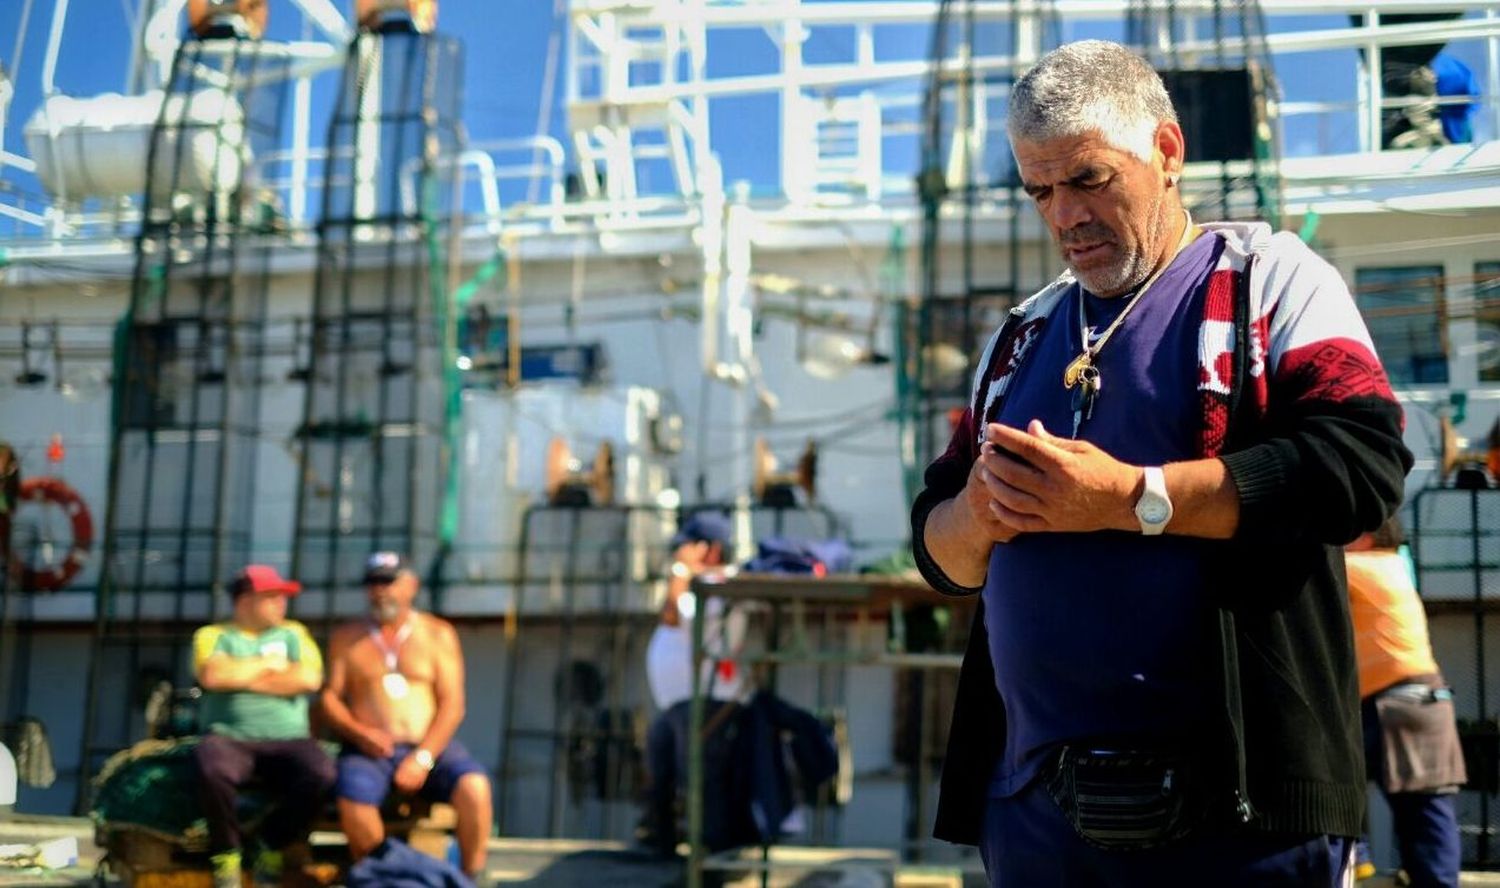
<point x="944" y="479"/>
<point x="1326" y="472"/>
<point x="1326" y="461"/>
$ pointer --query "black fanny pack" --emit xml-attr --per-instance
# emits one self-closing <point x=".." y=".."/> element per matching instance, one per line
<point x="1122" y="800"/>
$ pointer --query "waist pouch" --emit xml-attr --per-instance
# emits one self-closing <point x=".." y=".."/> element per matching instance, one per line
<point x="1123" y="800"/>
<point x="1420" y="748"/>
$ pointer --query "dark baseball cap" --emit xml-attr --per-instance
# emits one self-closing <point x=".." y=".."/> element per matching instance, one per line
<point x="704" y="527"/>
<point x="262" y="578"/>
<point x="383" y="567"/>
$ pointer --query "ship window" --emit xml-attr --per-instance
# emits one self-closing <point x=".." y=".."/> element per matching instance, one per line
<point x="1407" y="315"/>
<point x="1487" y="313"/>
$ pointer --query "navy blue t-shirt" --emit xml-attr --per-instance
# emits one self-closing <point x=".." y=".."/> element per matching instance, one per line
<point x="1108" y="635"/>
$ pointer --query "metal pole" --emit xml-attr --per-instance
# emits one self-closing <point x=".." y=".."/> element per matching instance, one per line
<point x="1493" y="92"/>
<point x="739" y="323"/>
<point x="301" y="141"/>
<point x="1483" y="841"/>
<point x="695" y="751"/>
<point x="1374" y="111"/>
<point x="563" y="731"/>
<point x="513" y="663"/>
<point x="54" y="44"/>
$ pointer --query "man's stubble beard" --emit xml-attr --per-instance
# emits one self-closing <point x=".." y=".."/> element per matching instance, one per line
<point x="1133" y="269"/>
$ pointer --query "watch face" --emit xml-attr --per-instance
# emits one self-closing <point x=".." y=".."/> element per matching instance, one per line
<point x="1152" y="511"/>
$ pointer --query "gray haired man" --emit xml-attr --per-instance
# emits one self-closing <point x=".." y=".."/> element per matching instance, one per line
<point x="1164" y="450"/>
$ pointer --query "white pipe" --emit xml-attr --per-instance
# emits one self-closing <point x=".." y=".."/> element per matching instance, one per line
<point x="486" y="175"/>
<point x="137" y="39"/>
<point x="301" y="142"/>
<point x="887" y="13"/>
<point x="25" y="164"/>
<point x="23" y="215"/>
<point x="1493" y="94"/>
<point x="740" y="324"/>
<point x="54" y="45"/>
<point x="711" y="242"/>
<point x="327" y="18"/>
<point x="367" y="130"/>
<point x="160" y="41"/>
<point x="799" y="134"/>
<point x="813" y="76"/>
<point x="6" y="91"/>
<point x="1374" y="113"/>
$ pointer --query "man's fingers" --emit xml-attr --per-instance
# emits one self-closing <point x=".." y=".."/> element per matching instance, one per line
<point x="1014" y="472"/>
<point x="1039" y="431"/>
<point x="1037" y="451"/>
<point x="1018" y="520"/>
<point x="1016" y="500"/>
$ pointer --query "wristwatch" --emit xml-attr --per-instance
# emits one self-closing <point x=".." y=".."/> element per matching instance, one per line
<point x="423" y="758"/>
<point x="681" y="571"/>
<point x="1154" y="508"/>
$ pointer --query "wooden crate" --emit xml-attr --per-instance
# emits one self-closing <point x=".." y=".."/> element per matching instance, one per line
<point x="143" y="860"/>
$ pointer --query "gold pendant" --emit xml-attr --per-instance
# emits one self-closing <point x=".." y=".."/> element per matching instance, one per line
<point x="1074" y="371"/>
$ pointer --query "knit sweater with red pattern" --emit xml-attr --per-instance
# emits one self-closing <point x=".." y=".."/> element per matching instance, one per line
<point x="1296" y="405"/>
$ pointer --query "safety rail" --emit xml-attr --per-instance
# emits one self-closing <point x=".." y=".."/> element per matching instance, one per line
<point x="522" y="186"/>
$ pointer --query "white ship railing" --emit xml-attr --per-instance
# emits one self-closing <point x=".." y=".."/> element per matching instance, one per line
<point x="852" y="120"/>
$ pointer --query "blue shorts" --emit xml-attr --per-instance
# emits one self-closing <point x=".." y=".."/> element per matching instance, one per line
<point x="367" y="780"/>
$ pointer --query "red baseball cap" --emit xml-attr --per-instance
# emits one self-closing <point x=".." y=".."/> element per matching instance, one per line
<point x="263" y="578"/>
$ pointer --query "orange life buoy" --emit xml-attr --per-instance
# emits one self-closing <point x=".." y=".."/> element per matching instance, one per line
<point x="61" y="573"/>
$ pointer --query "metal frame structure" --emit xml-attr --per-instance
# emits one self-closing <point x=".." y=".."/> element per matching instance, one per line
<point x="1453" y="534"/>
<point x="186" y="379"/>
<point x="95" y="227"/>
<point x="379" y="369"/>
<point x="579" y="556"/>
<point x="795" y="599"/>
<point x="639" y="90"/>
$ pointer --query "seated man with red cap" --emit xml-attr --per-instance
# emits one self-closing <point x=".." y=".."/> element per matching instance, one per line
<point x="256" y="670"/>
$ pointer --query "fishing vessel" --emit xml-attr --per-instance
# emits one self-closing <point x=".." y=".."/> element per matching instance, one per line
<point x="264" y="298"/>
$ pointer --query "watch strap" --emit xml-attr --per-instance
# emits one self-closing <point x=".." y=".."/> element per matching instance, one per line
<point x="1155" y="492"/>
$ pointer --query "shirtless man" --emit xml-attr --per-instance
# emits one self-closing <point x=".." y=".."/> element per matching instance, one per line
<point x="395" y="695"/>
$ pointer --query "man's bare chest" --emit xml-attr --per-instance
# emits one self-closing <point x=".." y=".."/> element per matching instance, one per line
<point x="371" y="658"/>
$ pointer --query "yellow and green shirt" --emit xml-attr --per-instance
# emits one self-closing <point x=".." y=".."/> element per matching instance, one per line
<point x="248" y="715"/>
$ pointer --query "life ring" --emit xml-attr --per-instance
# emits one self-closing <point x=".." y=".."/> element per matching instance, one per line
<point x="59" y="574"/>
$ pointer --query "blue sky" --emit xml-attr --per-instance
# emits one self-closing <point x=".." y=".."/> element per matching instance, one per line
<point x="506" y="50"/>
<point x="505" y="56"/>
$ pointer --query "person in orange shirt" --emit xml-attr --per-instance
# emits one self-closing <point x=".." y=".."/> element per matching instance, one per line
<point x="1411" y="738"/>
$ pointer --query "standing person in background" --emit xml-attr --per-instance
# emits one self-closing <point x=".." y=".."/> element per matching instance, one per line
<point x="1165" y="451"/>
<point x="395" y="696"/>
<point x="256" y="671"/>
<point x="1412" y="749"/>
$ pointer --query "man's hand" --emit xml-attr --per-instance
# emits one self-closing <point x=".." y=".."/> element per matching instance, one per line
<point x="376" y="743"/>
<point x="693" y="555"/>
<point x="410" y="775"/>
<point x="978" y="498"/>
<point x="1063" y="486"/>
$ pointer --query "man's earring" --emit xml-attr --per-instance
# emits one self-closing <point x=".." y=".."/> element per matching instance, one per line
<point x="1172" y="180"/>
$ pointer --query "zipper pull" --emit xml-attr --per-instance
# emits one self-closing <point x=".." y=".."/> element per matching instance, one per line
<point x="1243" y="808"/>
